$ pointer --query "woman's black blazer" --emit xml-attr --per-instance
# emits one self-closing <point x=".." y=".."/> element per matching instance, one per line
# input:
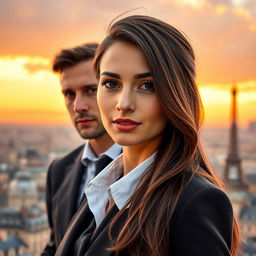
<point x="201" y="226"/>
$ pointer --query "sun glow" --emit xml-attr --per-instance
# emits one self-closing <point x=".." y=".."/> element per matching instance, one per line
<point x="217" y="104"/>
<point x="29" y="91"/>
<point x="194" y="3"/>
<point x="221" y="9"/>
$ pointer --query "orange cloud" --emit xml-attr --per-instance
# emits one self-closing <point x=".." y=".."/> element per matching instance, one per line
<point x="36" y="65"/>
<point x="221" y="9"/>
<point x="243" y="13"/>
<point x="221" y="32"/>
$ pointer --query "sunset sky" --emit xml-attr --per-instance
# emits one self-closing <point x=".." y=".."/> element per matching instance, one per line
<point x="222" y="32"/>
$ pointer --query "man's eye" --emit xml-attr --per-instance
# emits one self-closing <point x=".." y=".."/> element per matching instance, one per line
<point x="92" y="91"/>
<point x="69" y="94"/>
<point x="147" y="86"/>
<point x="110" y="84"/>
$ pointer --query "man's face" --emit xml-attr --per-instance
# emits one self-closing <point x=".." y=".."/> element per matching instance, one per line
<point x="79" y="87"/>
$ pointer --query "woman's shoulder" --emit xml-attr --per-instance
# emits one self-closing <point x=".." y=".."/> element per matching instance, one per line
<point x="200" y="193"/>
<point x="198" y="185"/>
<point x="203" y="218"/>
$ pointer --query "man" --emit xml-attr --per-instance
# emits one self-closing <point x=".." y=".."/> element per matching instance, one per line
<point x="68" y="176"/>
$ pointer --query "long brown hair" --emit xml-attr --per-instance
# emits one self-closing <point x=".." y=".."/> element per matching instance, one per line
<point x="171" y="62"/>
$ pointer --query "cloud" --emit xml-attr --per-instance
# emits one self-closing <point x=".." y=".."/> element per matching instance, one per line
<point x="37" y="66"/>
<point x="22" y="89"/>
<point x="224" y="43"/>
<point x="18" y="67"/>
<point x="223" y="33"/>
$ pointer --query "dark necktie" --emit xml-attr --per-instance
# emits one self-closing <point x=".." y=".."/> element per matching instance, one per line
<point x="101" y="163"/>
<point x="84" y="238"/>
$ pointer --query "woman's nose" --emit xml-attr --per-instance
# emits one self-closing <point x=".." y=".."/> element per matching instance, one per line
<point x="126" y="101"/>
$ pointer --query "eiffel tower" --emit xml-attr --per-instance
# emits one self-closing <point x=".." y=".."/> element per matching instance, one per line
<point x="233" y="172"/>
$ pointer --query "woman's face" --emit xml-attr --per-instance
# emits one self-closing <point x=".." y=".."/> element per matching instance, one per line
<point x="127" y="101"/>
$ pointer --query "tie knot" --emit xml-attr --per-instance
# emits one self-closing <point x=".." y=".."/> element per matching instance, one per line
<point x="101" y="163"/>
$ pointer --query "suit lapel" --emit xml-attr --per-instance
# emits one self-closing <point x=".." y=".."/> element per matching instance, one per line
<point x="78" y="224"/>
<point x="105" y="222"/>
<point x="100" y="241"/>
<point x="67" y="196"/>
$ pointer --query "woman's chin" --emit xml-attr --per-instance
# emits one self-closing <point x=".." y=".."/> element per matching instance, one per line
<point x="125" y="141"/>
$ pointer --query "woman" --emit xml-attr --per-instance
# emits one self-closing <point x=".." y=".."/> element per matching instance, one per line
<point x="169" y="200"/>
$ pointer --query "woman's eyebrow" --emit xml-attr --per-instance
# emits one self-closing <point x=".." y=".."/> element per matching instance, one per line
<point x="115" y="75"/>
<point x="142" y="75"/>
<point x="106" y="73"/>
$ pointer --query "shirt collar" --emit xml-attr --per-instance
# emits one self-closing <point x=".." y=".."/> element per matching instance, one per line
<point x="88" y="153"/>
<point x="122" y="189"/>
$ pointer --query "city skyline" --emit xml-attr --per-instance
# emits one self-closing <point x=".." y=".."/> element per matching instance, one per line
<point x="223" y="34"/>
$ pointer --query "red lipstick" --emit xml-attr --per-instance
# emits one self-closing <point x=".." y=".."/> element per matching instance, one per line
<point x="124" y="124"/>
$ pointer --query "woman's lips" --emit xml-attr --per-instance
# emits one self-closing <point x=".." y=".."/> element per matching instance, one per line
<point x="125" y="124"/>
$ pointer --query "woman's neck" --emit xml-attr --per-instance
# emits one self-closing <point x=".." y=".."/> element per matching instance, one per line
<point x="134" y="155"/>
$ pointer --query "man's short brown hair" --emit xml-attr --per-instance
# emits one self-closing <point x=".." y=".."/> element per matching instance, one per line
<point x="72" y="56"/>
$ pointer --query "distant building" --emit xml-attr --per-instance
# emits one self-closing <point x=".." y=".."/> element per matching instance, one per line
<point x="233" y="172"/>
<point x="251" y="177"/>
<point x="28" y="225"/>
<point x="3" y="195"/>
<point x="4" y="178"/>
<point x="240" y="199"/>
<point x="23" y="220"/>
<point x="11" y="245"/>
<point x="248" y="219"/>
<point x="249" y="247"/>
<point x="33" y="158"/>
<point x="22" y="190"/>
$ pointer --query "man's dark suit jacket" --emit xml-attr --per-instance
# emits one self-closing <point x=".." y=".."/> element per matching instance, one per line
<point x="63" y="182"/>
<point x="201" y="226"/>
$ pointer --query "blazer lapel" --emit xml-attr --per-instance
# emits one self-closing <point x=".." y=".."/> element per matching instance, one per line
<point x="100" y="240"/>
<point x="78" y="224"/>
<point x="67" y="196"/>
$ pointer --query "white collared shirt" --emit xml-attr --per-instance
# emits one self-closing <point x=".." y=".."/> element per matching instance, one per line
<point x="89" y="160"/>
<point x="107" y="185"/>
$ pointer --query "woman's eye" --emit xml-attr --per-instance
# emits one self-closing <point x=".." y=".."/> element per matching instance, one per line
<point x="109" y="84"/>
<point x="147" y="86"/>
